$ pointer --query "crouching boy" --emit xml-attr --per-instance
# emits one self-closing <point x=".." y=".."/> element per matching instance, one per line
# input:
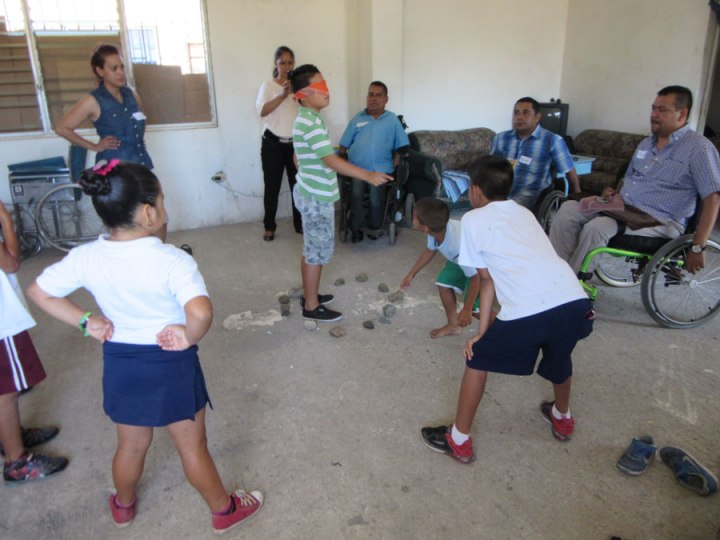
<point x="542" y="307"/>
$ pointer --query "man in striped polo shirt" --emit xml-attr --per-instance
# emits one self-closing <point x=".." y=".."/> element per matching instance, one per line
<point x="669" y="172"/>
<point x="316" y="189"/>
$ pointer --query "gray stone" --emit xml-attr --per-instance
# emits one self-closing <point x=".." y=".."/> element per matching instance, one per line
<point x="369" y="325"/>
<point x="339" y="281"/>
<point x="362" y="277"/>
<point x="389" y="310"/>
<point x="337" y="331"/>
<point x="383" y="288"/>
<point x="295" y="293"/>
<point x="310" y="325"/>
<point x="396" y="297"/>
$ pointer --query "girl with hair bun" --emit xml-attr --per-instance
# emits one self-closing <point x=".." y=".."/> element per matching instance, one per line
<point x="155" y="309"/>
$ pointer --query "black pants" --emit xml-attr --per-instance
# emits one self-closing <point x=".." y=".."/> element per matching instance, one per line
<point x="277" y="157"/>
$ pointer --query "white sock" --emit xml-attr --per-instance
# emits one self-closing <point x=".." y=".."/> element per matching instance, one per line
<point x="558" y="415"/>
<point x="457" y="437"/>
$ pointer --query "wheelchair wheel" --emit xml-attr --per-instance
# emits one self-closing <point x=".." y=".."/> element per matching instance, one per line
<point x="409" y="205"/>
<point x="28" y="240"/>
<point x="675" y="298"/>
<point x="392" y="233"/>
<point x="66" y="218"/>
<point x="617" y="271"/>
<point x="549" y="207"/>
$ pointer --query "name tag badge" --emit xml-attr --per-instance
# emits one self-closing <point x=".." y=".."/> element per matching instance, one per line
<point x="525" y="160"/>
<point x="138" y="115"/>
<point x="641" y="154"/>
<point x="361" y="124"/>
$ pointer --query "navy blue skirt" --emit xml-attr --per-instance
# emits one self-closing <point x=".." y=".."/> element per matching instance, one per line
<point x="146" y="386"/>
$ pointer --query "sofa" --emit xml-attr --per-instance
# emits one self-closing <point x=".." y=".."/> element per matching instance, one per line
<point x="434" y="151"/>
<point x="612" y="151"/>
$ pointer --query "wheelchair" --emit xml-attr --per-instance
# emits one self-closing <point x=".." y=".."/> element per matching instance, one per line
<point x="550" y="200"/>
<point x="394" y="203"/>
<point x="671" y="295"/>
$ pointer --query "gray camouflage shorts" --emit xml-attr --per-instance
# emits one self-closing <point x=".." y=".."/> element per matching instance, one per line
<point x="318" y="219"/>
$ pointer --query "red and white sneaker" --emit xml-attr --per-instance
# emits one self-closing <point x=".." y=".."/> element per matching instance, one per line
<point x="439" y="439"/>
<point x="563" y="429"/>
<point x="122" y="515"/>
<point x="244" y="505"/>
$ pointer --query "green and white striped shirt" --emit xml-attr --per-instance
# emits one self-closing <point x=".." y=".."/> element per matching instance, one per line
<point x="312" y="143"/>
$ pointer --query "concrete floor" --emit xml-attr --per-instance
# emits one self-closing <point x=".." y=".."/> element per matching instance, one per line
<point x="329" y="428"/>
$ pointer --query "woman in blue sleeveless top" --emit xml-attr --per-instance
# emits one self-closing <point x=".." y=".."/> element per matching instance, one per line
<point x="114" y="109"/>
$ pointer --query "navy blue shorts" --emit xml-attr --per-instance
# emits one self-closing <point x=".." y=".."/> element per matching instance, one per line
<point x="146" y="386"/>
<point x="512" y="347"/>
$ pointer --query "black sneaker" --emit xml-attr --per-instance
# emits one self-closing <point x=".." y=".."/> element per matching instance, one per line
<point x="322" y="314"/>
<point x="440" y="440"/>
<point x="322" y="299"/>
<point x="35" y="436"/>
<point x="33" y="467"/>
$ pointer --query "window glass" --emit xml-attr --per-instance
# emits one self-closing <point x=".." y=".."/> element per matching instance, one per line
<point x="165" y="58"/>
<point x="19" y="107"/>
<point x="169" y="61"/>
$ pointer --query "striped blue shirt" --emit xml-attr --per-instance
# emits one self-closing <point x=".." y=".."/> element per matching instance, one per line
<point x="666" y="183"/>
<point x="532" y="157"/>
<point x="311" y="142"/>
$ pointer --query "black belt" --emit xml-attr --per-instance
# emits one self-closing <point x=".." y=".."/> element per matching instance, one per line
<point x="270" y="136"/>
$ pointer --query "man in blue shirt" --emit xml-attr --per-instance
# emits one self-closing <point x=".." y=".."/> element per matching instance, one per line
<point x="371" y="140"/>
<point x="532" y="150"/>
<point x="669" y="171"/>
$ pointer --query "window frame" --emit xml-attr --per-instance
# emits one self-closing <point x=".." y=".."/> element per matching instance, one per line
<point x="44" y="111"/>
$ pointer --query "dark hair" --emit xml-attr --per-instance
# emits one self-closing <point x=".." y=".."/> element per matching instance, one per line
<point x="300" y="77"/>
<point x="683" y="96"/>
<point x="494" y="176"/>
<point x="117" y="194"/>
<point x="101" y="52"/>
<point x="531" y="101"/>
<point x="381" y="85"/>
<point x="278" y="54"/>
<point x="433" y="213"/>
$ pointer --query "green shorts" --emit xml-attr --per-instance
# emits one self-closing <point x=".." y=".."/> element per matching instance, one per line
<point x="453" y="277"/>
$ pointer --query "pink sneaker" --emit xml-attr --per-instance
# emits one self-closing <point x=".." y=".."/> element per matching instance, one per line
<point x="122" y="515"/>
<point x="246" y="504"/>
<point x="562" y="429"/>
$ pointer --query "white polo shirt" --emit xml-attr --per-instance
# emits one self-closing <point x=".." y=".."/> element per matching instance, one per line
<point x="529" y="277"/>
<point x="140" y="285"/>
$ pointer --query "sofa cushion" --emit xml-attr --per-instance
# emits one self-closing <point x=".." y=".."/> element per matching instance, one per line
<point x="603" y="142"/>
<point x="455" y="149"/>
<point x="612" y="151"/>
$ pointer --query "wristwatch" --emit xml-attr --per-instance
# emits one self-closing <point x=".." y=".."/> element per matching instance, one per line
<point x="697" y="248"/>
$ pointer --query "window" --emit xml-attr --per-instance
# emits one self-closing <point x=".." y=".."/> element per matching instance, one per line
<point x="44" y="73"/>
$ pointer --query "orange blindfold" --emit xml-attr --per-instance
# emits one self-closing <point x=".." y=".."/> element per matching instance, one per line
<point x="317" y="87"/>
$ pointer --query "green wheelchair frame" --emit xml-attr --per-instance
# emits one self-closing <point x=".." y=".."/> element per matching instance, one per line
<point x="671" y="295"/>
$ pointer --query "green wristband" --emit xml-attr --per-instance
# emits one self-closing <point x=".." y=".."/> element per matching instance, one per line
<point x="83" y="323"/>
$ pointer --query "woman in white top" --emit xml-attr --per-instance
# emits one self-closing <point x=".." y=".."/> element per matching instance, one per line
<point x="277" y="108"/>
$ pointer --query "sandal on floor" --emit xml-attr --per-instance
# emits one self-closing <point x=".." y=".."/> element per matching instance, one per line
<point x="269" y="236"/>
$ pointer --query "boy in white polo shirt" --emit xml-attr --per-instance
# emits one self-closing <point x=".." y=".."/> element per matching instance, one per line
<point x="542" y="307"/>
<point x="316" y="189"/>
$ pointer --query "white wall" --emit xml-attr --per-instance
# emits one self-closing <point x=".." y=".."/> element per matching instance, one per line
<point x="619" y="54"/>
<point x="449" y="64"/>
<point x="466" y="62"/>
